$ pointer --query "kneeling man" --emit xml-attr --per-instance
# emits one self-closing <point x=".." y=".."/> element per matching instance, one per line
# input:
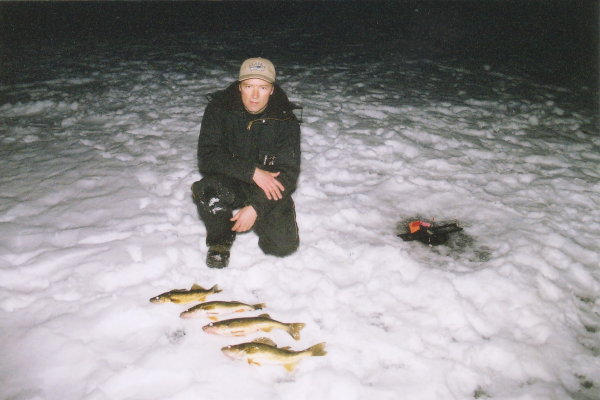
<point x="249" y="158"/>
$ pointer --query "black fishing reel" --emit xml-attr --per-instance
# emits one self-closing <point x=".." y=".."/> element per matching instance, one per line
<point x="430" y="233"/>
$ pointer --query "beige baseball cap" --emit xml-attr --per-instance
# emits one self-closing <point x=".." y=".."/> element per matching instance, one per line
<point x="260" y="68"/>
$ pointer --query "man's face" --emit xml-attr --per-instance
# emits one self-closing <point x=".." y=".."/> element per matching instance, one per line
<point x="255" y="94"/>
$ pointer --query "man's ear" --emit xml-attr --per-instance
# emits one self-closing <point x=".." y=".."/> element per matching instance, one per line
<point x="272" y="90"/>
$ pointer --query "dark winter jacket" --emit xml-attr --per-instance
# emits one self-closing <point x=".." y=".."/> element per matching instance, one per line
<point x="234" y="142"/>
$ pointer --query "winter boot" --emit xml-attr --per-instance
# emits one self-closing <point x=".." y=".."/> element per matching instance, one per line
<point x="218" y="256"/>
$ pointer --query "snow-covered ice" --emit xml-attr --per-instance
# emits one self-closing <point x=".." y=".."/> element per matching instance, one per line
<point x="98" y="152"/>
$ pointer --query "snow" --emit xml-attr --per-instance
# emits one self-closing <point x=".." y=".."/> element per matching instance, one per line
<point x="97" y="156"/>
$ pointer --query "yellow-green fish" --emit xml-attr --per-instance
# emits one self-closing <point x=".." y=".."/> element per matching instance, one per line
<point x="214" y="309"/>
<point x="265" y="351"/>
<point x="181" y="296"/>
<point x="243" y="326"/>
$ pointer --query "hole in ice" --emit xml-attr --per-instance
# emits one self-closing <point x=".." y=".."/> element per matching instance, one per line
<point x="460" y="246"/>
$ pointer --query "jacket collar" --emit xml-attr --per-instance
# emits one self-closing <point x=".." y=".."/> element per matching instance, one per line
<point x="279" y="106"/>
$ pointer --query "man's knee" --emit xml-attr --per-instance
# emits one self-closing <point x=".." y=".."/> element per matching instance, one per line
<point x="212" y="190"/>
<point x="278" y="232"/>
<point x="279" y="249"/>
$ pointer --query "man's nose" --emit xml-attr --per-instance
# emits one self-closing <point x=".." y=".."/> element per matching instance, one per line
<point x="255" y="93"/>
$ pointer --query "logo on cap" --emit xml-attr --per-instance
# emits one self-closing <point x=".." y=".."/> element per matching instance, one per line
<point x="257" y="67"/>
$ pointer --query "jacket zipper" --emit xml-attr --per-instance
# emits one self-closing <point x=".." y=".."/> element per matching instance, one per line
<point x="264" y="119"/>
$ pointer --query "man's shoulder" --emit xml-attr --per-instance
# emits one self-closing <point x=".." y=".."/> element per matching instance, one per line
<point x="281" y="107"/>
<point x="228" y="98"/>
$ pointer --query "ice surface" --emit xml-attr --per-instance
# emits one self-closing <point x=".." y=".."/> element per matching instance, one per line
<point x="97" y="157"/>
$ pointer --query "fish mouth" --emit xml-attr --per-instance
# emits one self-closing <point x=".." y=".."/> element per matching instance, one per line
<point x="231" y="353"/>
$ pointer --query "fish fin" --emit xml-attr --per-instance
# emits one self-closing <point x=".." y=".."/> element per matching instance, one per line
<point x="294" y="330"/>
<point x="215" y="289"/>
<point x="266" y="329"/>
<point x="265" y="316"/>
<point x="317" y="350"/>
<point x="238" y="333"/>
<point x="290" y="367"/>
<point x="213" y="319"/>
<point x="202" y="298"/>
<point x="259" y="306"/>
<point x="195" y="286"/>
<point x="286" y="348"/>
<point x="240" y="310"/>
<point x="265" y="340"/>
<point x="251" y="361"/>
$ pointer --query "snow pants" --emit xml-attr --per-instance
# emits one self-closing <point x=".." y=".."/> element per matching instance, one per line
<point x="217" y="196"/>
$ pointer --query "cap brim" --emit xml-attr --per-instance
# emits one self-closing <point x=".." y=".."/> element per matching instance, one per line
<point x="245" y="77"/>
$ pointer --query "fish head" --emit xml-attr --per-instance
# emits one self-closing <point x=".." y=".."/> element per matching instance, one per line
<point x="193" y="312"/>
<point x="234" y="352"/>
<point x="159" y="299"/>
<point x="210" y="328"/>
<point x="187" y="314"/>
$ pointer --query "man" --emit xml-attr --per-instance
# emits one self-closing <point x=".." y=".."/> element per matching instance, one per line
<point x="249" y="158"/>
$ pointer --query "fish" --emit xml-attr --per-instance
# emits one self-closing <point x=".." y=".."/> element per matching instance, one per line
<point x="265" y="351"/>
<point x="214" y="309"/>
<point x="243" y="326"/>
<point x="181" y="296"/>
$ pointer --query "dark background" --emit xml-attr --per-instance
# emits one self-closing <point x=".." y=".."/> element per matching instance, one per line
<point x="550" y="42"/>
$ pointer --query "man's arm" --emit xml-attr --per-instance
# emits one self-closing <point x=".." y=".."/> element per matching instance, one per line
<point x="267" y="182"/>
<point x="284" y="174"/>
<point x="213" y="156"/>
<point x="244" y="219"/>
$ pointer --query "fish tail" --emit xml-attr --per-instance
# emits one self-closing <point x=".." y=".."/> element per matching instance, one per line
<point x="259" y="306"/>
<point x="294" y="330"/>
<point x="215" y="289"/>
<point x="317" y="350"/>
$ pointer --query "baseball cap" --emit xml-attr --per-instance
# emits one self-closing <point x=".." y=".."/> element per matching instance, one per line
<point x="260" y="68"/>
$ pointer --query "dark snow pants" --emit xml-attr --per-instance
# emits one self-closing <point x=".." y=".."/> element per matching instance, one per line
<point x="217" y="196"/>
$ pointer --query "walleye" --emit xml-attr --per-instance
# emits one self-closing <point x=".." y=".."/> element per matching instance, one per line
<point x="243" y="326"/>
<point x="180" y="296"/>
<point x="265" y="351"/>
<point x="213" y="309"/>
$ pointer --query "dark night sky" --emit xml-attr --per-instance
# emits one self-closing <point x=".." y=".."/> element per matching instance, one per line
<point x="555" y="41"/>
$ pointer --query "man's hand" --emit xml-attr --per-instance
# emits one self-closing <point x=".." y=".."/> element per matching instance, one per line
<point x="267" y="182"/>
<point x="244" y="219"/>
